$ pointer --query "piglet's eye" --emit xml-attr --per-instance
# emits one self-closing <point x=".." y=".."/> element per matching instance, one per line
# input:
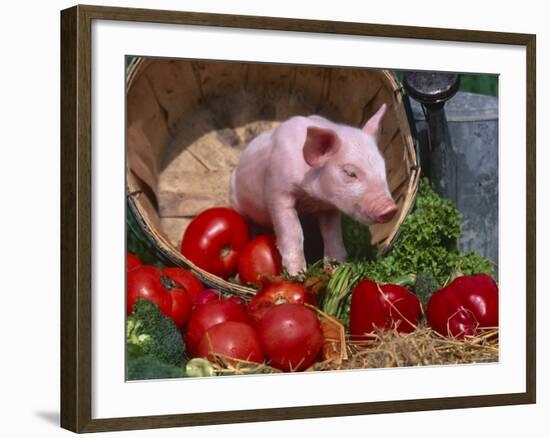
<point x="350" y="173"/>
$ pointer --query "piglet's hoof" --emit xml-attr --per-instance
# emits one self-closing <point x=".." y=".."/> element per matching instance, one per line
<point x="295" y="265"/>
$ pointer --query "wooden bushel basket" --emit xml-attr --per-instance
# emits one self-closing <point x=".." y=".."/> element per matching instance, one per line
<point x="188" y="121"/>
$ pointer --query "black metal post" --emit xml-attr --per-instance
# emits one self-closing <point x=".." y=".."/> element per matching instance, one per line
<point x="432" y="90"/>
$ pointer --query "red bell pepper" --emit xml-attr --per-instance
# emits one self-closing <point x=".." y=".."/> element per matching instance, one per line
<point x="466" y="305"/>
<point x="384" y="306"/>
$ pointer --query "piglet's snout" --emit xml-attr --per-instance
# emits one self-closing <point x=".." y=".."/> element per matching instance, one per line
<point x="379" y="207"/>
<point x="386" y="214"/>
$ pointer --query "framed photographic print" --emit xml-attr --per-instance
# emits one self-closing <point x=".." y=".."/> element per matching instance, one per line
<point x="319" y="211"/>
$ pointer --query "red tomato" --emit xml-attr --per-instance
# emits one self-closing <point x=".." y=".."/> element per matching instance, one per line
<point x="214" y="239"/>
<point x="184" y="280"/>
<point x="384" y="306"/>
<point x="467" y="304"/>
<point x="291" y="336"/>
<point x="280" y="292"/>
<point x="207" y="315"/>
<point x="259" y="259"/>
<point x="233" y="339"/>
<point x="207" y="295"/>
<point x="212" y="294"/>
<point x="181" y="307"/>
<point x="145" y="282"/>
<point x="238" y="300"/>
<point x="131" y="262"/>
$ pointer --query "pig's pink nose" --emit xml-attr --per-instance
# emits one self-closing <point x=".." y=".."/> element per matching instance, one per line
<point x="387" y="214"/>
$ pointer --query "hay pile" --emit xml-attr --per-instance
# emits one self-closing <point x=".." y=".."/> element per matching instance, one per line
<point x="387" y="349"/>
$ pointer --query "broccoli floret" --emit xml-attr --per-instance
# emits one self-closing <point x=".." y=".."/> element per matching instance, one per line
<point x="425" y="285"/>
<point x="140" y="366"/>
<point x="154" y="333"/>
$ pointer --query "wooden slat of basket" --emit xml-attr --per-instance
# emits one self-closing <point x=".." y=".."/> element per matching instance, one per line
<point x="272" y="88"/>
<point x="175" y="87"/>
<point x="390" y="124"/>
<point x="397" y="181"/>
<point x="357" y="85"/>
<point x="143" y="163"/>
<point x="214" y="79"/>
<point x="200" y="191"/>
<point x="213" y="153"/>
<point x="307" y="93"/>
<point x="173" y="226"/>
<point x="144" y="111"/>
<point x="395" y="162"/>
<point x="142" y="194"/>
<point x="395" y="141"/>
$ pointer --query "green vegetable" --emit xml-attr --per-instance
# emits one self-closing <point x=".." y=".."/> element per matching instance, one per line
<point x="474" y="263"/>
<point x="140" y="366"/>
<point x="346" y="276"/>
<point x="199" y="367"/>
<point x="154" y="333"/>
<point x="357" y="240"/>
<point x="428" y="242"/>
<point x="425" y="285"/>
<point x="139" y="245"/>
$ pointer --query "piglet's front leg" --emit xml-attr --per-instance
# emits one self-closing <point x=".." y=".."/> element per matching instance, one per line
<point x="330" y="224"/>
<point x="290" y="237"/>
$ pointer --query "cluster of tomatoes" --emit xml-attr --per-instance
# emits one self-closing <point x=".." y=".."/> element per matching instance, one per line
<point x="276" y="326"/>
<point x="218" y="241"/>
<point x="173" y="290"/>
<point x="279" y="325"/>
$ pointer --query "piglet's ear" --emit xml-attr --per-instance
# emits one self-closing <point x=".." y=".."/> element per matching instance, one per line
<point x="372" y="127"/>
<point x="320" y="145"/>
